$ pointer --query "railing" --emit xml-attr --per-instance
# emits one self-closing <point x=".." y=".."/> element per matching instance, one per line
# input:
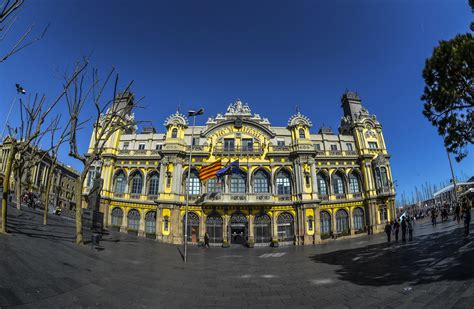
<point x="140" y="151"/>
<point x="135" y="196"/>
<point x="335" y="152"/>
<point x="351" y="153"/>
<point x="384" y="191"/>
<point x="281" y="148"/>
<point x="152" y="197"/>
<point x="256" y="150"/>
<point x="357" y="195"/>
<point x="119" y="195"/>
<point x="195" y="148"/>
<point x="284" y="197"/>
<point x="340" y="196"/>
<point x="124" y="152"/>
<point x="323" y="197"/>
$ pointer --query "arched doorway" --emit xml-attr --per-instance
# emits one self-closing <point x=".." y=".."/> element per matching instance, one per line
<point x="117" y="217"/>
<point x="262" y="228"/>
<point x="150" y="224"/>
<point x="286" y="228"/>
<point x="133" y="220"/>
<point x="238" y="228"/>
<point x="193" y="227"/>
<point x="214" y="224"/>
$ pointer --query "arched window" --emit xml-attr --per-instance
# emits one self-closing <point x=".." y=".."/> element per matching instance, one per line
<point x="150" y="223"/>
<point x="354" y="184"/>
<point x="337" y="183"/>
<point x="325" y="223"/>
<point x="383" y="172"/>
<point x="133" y="220"/>
<point x="322" y="184"/>
<point x="214" y="224"/>
<point x="262" y="228"/>
<point x="358" y="216"/>
<point x="286" y="229"/>
<point x="193" y="184"/>
<point x="283" y="183"/>
<point x="260" y="182"/>
<point x="193" y="227"/>
<point x="120" y="182"/>
<point x="153" y="184"/>
<point x="238" y="183"/>
<point x="214" y="185"/>
<point x="117" y="217"/>
<point x="378" y="178"/>
<point x="174" y="133"/>
<point x="137" y="183"/>
<point x="302" y="133"/>
<point x="342" y="221"/>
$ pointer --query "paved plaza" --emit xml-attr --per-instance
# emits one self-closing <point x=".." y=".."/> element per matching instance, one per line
<point x="41" y="267"/>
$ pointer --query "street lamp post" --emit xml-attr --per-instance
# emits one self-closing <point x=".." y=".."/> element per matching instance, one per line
<point x="454" y="180"/>
<point x="19" y="90"/>
<point x="190" y="114"/>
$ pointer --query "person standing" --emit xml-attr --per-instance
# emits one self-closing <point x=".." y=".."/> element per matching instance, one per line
<point x="206" y="240"/>
<point x="457" y="213"/>
<point x="388" y="230"/>
<point x="433" y="217"/>
<point x="396" y="229"/>
<point x="410" y="228"/>
<point x="404" y="229"/>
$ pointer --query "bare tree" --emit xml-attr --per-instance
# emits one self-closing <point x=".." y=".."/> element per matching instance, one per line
<point x="112" y="114"/>
<point x="29" y="131"/>
<point x="8" y="17"/>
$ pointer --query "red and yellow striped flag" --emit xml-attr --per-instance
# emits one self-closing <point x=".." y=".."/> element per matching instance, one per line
<point x="209" y="171"/>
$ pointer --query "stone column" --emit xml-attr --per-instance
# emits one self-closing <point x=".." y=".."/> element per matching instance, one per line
<point x="123" y="228"/>
<point x="274" y="226"/>
<point x="333" y="221"/>
<point x="202" y="226"/>
<point x="162" y="182"/>
<point x="176" y="226"/>
<point x="159" y="224"/>
<point x="225" y="228"/>
<point x="141" y="227"/>
<point x="314" y="179"/>
<point x="317" y="226"/>
<point x="251" y="235"/>
<point x="351" y="220"/>
<point x="108" y="216"/>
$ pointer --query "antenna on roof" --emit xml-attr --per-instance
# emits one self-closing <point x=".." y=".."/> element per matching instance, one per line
<point x="297" y="109"/>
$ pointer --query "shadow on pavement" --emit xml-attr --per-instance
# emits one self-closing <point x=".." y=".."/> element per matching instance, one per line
<point x="430" y="258"/>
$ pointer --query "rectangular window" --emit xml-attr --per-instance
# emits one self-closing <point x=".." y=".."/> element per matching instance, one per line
<point x="349" y="146"/>
<point x="373" y="145"/>
<point x="318" y="147"/>
<point x="158" y="147"/>
<point x="141" y="146"/>
<point x="333" y="147"/>
<point x="247" y="144"/>
<point x="229" y="144"/>
<point x="125" y="146"/>
<point x="195" y="141"/>
<point x="281" y="143"/>
<point x="214" y="185"/>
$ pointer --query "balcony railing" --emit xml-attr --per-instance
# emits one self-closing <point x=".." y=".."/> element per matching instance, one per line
<point x="323" y="197"/>
<point x="281" y="148"/>
<point x="255" y="150"/>
<point x="340" y="196"/>
<point x="357" y="195"/>
<point x="195" y="148"/>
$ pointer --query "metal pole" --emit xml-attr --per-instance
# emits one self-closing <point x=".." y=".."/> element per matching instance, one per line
<point x="8" y="116"/>
<point x="187" y="194"/>
<point x="454" y="179"/>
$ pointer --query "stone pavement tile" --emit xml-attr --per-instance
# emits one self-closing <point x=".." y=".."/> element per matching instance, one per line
<point x="464" y="302"/>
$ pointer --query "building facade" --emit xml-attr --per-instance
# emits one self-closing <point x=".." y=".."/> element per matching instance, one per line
<point x="34" y="178"/>
<point x="293" y="186"/>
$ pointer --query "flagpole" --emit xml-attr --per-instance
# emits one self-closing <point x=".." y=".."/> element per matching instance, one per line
<point x="193" y="114"/>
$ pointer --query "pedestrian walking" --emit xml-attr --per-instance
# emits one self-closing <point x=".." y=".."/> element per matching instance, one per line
<point x="206" y="240"/>
<point x="433" y="216"/>
<point x="410" y="228"/>
<point x="457" y="213"/>
<point x="388" y="230"/>
<point x="467" y="217"/>
<point x="396" y="229"/>
<point x="404" y="229"/>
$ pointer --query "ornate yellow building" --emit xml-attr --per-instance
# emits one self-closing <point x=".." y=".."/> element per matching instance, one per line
<point x="294" y="186"/>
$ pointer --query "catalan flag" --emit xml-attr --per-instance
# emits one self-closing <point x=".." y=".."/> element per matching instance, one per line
<point x="209" y="171"/>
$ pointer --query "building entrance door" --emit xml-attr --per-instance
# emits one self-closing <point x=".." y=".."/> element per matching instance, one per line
<point x="238" y="229"/>
<point x="237" y="235"/>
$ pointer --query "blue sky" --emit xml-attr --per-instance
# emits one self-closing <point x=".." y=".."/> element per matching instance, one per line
<point x="274" y="55"/>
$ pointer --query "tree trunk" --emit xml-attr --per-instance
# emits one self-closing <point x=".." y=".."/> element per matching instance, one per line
<point x="6" y="189"/>
<point x="48" y="190"/>
<point x="79" y="238"/>
<point x="18" y="187"/>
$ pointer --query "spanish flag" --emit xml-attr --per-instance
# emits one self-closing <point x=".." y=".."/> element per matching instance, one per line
<point x="209" y="171"/>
